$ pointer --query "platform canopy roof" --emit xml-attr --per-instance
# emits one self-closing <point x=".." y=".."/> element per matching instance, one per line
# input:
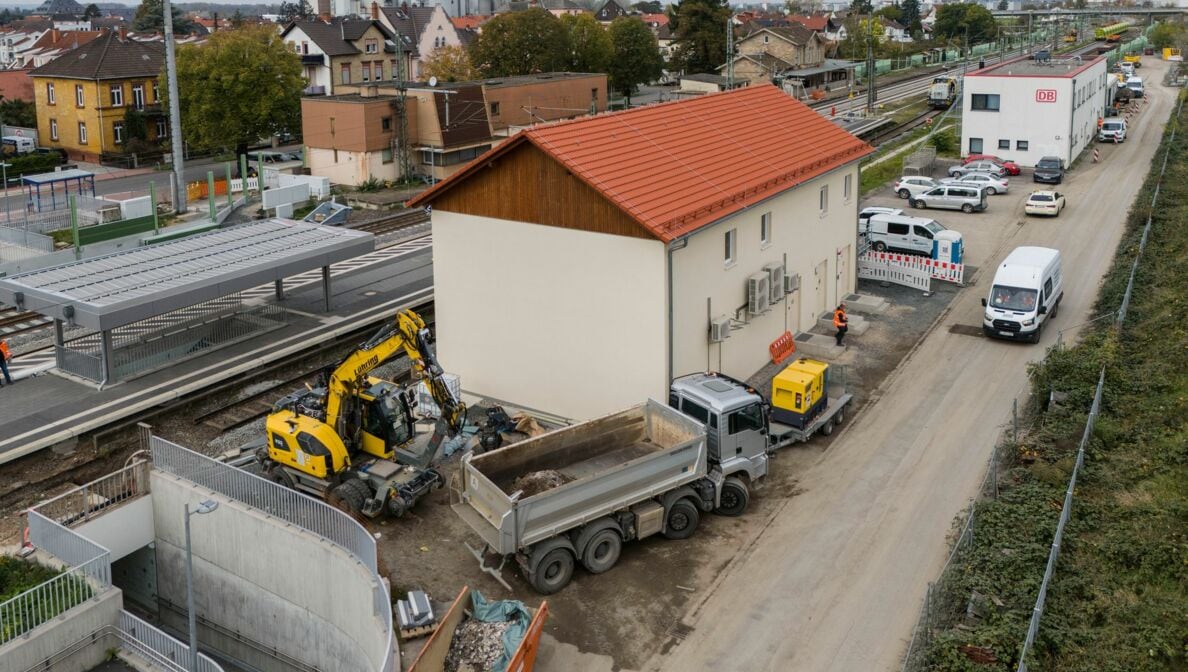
<point x="117" y="289"/>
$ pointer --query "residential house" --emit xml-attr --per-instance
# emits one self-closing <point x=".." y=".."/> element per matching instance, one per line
<point x="52" y="7"/>
<point x="345" y="52"/>
<point x="609" y="11"/>
<point x="70" y="22"/>
<point x="83" y="96"/>
<point x="352" y="137"/>
<point x="615" y="227"/>
<point x="893" y="31"/>
<point x="472" y="22"/>
<point x="793" y="56"/>
<point x="14" y="43"/>
<point x="702" y="83"/>
<point x="54" y="43"/>
<point x="822" y="24"/>
<point x="425" y="29"/>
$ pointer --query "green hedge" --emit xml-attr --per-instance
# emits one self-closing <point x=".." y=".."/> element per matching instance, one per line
<point x="32" y="164"/>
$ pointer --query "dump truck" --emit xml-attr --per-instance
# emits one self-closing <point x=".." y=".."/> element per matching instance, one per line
<point x="576" y="494"/>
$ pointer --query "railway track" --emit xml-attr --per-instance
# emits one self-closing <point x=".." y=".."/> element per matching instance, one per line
<point x="393" y="223"/>
<point x="13" y="321"/>
<point x="236" y="413"/>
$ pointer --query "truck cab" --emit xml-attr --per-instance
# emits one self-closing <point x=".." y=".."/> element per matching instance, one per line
<point x="735" y="419"/>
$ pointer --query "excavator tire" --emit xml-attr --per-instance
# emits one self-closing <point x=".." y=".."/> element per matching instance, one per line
<point x="349" y="497"/>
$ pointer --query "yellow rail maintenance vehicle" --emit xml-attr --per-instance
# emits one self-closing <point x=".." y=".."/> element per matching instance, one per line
<point x="353" y="442"/>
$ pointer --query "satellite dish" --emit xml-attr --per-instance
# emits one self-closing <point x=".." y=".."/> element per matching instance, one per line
<point x="432" y="81"/>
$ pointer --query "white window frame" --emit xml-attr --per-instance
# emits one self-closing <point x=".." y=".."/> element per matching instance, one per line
<point x="371" y="46"/>
<point x="765" y="230"/>
<point x="80" y="98"/>
<point x="731" y="247"/>
<point x="162" y="128"/>
<point x="50" y="95"/>
<point x="823" y="200"/>
<point x="117" y="132"/>
<point x="117" y="95"/>
<point x="53" y="129"/>
<point x="848" y="188"/>
<point x="138" y="96"/>
<point x="82" y="133"/>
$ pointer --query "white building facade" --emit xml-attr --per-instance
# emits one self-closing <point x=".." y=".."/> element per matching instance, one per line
<point x="1024" y="110"/>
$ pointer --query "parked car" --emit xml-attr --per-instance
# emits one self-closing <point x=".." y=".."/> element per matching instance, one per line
<point x="1044" y="203"/>
<point x="1112" y="130"/>
<point x="993" y="185"/>
<point x="1050" y="170"/>
<point x="912" y="185"/>
<point x="865" y="214"/>
<point x="1012" y="168"/>
<point x="952" y="197"/>
<point x="980" y="166"/>
<point x="901" y="233"/>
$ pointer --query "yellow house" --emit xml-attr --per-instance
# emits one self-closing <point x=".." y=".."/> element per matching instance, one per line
<point x="83" y="97"/>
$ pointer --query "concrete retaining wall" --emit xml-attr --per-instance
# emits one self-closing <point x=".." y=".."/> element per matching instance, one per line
<point x="49" y="639"/>
<point x="123" y="529"/>
<point x="269" y="581"/>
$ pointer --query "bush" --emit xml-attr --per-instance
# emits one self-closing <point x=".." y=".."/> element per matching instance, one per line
<point x="944" y="141"/>
<point x="31" y="164"/>
<point x="372" y="185"/>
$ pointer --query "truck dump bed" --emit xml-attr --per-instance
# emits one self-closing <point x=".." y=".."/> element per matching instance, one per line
<point x="532" y="490"/>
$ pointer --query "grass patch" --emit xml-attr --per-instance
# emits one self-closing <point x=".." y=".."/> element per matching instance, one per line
<point x="1117" y="600"/>
<point x="17" y="576"/>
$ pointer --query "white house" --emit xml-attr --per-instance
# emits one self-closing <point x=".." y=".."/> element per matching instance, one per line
<point x="580" y="266"/>
<point x="426" y="28"/>
<point x="893" y="31"/>
<point x="1025" y="110"/>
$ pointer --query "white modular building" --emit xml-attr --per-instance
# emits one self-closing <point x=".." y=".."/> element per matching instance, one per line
<point x="1024" y="109"/>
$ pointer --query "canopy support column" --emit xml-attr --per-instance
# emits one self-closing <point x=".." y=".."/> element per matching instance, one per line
<point x="280" y="289"/>
<point x="326" y="286"/>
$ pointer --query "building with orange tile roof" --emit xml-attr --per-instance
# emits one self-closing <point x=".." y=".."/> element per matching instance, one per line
<point x="617" y="240"/>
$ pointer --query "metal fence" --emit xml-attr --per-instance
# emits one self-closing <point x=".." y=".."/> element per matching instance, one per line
<point x="158" y="647"/>
<point x="30" y="239"/>
<point x="309" y="514"/>
<point x="87" y="365"/>
<point x="97" y="497"/>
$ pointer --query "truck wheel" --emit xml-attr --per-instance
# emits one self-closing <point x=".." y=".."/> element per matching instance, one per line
<point x="734" y="499"/>
<point x="682" y="520"/>
<point x="827" y="428"/>
<point x="602" y="552"/>
<point x="553" y="572"/>
<point x="841" y="415"/>
<point x="349" y="497"/>
<point x="281" y="477"/>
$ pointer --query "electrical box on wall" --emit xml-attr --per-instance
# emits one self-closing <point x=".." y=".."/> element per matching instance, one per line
<point x="775" y="277"/>
<point x="719" y="330"/>
<point x="758" y="293"/>
<point x="791" y="283"/>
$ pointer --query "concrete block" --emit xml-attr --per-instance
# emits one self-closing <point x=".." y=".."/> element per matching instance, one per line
<point x="865" y="303"/>
<point x="858" y="324"/>
<point x="818" y="346"/>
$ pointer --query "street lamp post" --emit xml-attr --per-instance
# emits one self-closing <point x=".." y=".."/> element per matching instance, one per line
<point x="203" y="507"/>
<point x="4" y="170"/>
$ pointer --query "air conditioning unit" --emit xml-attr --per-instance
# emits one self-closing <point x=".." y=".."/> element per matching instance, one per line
<point x="758" y="293"/>
<point x="791" y="283"/>
<point x="775" y="276"/>
<point x="719" y="330"/>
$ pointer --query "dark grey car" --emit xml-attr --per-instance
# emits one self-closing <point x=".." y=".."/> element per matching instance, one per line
<point x="1049" y="170"/>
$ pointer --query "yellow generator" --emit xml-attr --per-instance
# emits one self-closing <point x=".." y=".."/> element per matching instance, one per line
<point x="798" y="393"/>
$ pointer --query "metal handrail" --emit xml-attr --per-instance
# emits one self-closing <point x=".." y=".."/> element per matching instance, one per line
<point x="80" y="504"/>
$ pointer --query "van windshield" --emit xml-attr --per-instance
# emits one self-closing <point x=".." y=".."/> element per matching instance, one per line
<point x="1013" y="298"/>
<point x="934" y="228"/>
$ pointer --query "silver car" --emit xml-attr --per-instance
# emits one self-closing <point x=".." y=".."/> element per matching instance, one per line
<point x="952" y="197"/>
<point x="993" y="185"/>
<point x="983" y="166"/>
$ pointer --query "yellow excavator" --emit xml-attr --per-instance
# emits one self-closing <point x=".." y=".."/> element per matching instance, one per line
<point x="352" y="442"/>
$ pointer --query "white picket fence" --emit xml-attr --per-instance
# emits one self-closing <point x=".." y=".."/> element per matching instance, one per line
<point x="253" y="184"/>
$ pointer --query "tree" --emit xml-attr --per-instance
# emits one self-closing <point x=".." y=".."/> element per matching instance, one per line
<point x="92" y="12"/>
<point x="590" y="46"/>
<point x="18" y="113"/>
<point x="150" y="18"/>
<point x="449" y="64"/>
<point x="909" y="14"/>
<point x="521" y="43"/>
<point x="648" y="7"/>
<point x="237" y="87"/>
<point x="637" y="57"/>
<point x="1003" y="5"/>
<point x="962" y="20"/>
<point x="700" y="27"/>
<point x="298" y="9"/>
<point x="861" y="7"/>
<point x="1165" y="34"/>
<point x="890" y="12"/>
<point x="238" y="20"/>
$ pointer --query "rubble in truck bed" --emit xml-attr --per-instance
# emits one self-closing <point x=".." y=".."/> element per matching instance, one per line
<point x="539" y="481"/>
<point x="476" y="646"/>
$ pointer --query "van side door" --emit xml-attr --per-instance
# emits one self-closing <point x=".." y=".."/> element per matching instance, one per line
<point x="898" y="236"/>
<point x="921" y="240"/>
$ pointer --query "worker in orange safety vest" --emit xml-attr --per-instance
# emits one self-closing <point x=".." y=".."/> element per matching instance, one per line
<point x="839" y="321"/>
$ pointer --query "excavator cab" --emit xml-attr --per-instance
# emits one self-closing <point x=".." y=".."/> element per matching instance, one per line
<point x="387" y="418"/>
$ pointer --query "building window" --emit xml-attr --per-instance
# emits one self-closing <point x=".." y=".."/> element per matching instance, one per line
<point x="594" y="95"/>
<point x="975" y="145"/>
<point x="386" y="123"/>
<point x="1004" y="144"/>
<point x="117" y="131"/>
<point x="731" y="240"/>
<point x="53" y="129"/>
<point x="162" y="128"/>
<point x="987" y="102"/>
<point x="1021" y="145"/>
<point x="371" y="47"/>
<point x="366" y="72"/>
<point x="824" y="199"/>
<point x="138" y="96"/>
<point x="346" y="73"/>
<point x="765" y="230"/>
<point x="377" y="69"/>
<point x="766" y="39"/>
<point x="79" y="98"/>
<point x="495" y="109"/>
<point x="82" y="133"/>
<point x="847" y="187"/>
<point x="49" y="93"/>
<point x="156" y="92"/>
<point x="305" y="47"/>
<point x="395" y="69"/>
<point x="117" y="95"/>
<point x="386" y="155"/>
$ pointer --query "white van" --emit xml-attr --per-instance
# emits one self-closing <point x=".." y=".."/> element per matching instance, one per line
<point x="16" y="144"/>
<point x="1026" y="293"/>
<point x="1135" y="84"/>
<point x="901" y="233"/>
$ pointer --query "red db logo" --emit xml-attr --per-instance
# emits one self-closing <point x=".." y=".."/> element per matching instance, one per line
<point x="1045" y="95"/>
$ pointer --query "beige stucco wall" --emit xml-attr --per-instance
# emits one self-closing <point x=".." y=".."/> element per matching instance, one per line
<point x="563" y="321"/>
<point x="820" y="248"/>
<point x="351" y="168"/>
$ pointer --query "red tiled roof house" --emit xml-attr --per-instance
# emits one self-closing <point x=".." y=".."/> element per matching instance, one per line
<point x="578" y="267"/>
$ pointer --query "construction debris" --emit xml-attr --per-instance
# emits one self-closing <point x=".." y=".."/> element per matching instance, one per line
<point x="537" y="482"/>
<point x="476" y="646"/>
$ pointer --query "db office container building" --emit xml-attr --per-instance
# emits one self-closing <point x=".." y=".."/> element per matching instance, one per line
<point x="1024" y="110"/>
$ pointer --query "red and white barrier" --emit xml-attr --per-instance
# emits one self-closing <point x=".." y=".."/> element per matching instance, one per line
<point x="940" y="270"/>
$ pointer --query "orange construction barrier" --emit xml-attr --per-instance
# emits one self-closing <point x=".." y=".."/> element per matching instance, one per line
<point x="782" y="348"/>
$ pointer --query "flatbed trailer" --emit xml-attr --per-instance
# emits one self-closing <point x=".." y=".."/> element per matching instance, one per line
<point x="781" y="435"/>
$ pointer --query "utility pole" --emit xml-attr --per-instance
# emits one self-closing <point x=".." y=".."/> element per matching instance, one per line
<point x="730" y="53"/>
<point x="402" y="140"/>
<point x="871" y="94"/>
<point x="179" y="182"/>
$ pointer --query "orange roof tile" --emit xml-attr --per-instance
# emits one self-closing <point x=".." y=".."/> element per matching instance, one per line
<point x="469" y="21"/>
<point x="676" y="167"/>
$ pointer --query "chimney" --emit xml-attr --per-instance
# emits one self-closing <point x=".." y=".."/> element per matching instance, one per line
<point x="325" y="17"/>
<point x="214" y="26"/>
<point x="374" y="10"/>
<point x="123" y="33"/>
<point x="54" y="35"/>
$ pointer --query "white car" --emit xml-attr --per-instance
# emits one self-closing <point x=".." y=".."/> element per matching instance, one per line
<point x="865" y="214"/>
<point x="910" y="186"/>
<point x="1044" y="203"/>
<point x="993" y="185"/>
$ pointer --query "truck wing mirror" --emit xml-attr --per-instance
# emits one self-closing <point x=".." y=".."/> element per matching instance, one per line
<point x="1043" y="310"/>
<point x="983" y="303"/>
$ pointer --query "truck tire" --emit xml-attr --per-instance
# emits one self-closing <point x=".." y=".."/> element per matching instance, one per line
<point x="602" y="552"/>
<point x="734" y="498"/>
<point x="841" y="415"/>
<point x="681" y="520"/>
<point x="827" y="428"/>
<point x="553" y="572"/>
<point x="349" y="497"/>
<point x="281" y="477"/>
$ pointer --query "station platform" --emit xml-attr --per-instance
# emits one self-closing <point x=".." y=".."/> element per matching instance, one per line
<point x="49" y="409"/>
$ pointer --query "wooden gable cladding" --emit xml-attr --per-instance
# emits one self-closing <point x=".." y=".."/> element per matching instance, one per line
<point x="526" y="185"/>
